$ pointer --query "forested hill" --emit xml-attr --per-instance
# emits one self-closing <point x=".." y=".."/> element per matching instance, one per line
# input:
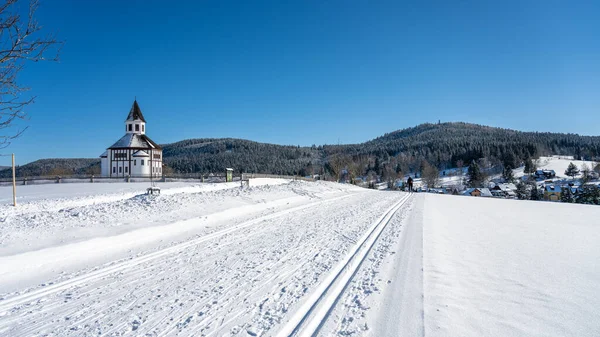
<point x="214" y="155"/>
<point x="55" y="167"/>
<point x="442" y="145"/>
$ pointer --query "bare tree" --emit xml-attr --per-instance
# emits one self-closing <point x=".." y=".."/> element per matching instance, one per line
<point x="389" y="174"/>
<point x="431" y="175"/>
<point x="585" y="173"/>
<point x="337" y="164"/>
<point x="361" y="162"/>
<point x="20" y="43"/>
<point x="356" y="166"/>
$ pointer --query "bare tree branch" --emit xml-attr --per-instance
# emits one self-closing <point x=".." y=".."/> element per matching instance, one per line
<point x="20" y="42"/>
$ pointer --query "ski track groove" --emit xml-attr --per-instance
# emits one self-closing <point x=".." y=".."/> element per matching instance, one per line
<point x="307" y="321"/>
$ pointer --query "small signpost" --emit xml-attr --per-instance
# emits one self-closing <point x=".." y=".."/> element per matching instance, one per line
<point x="229" y="176"/>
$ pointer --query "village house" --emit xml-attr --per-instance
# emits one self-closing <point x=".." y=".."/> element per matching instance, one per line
<point x="545" y="174"/>
<point x="135" y="154"/>
<point x="552" y="192"/>
<point x="506" y="190"/>
<point x="478" y="192"/>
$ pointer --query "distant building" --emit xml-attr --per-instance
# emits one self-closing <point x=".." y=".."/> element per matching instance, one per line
<point x="507" y="190"/>
<point x="478" y="192"/>
<point x="134" y="154"/>
<point x="552" y="192"/>
<point x="545" y="174"/>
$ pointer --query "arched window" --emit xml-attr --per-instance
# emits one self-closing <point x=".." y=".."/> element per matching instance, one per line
<point x="130" y="127"/>
<point x="137" y="127"/>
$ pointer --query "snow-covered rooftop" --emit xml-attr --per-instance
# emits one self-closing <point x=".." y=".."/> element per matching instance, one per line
<point x="485" y="192"/>
<point x="553" y="188"/>
<point x="133" y="140"/>
<point x="506" y="187"/>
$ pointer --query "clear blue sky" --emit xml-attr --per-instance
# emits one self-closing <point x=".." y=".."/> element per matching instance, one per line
<point x="309" y="72"/>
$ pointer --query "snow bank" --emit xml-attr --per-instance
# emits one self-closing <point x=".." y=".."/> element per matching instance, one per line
<point x="510" y="268"/>
<point x="50" y="215"/>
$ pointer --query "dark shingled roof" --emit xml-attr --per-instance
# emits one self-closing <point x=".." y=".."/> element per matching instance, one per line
<point x="135" y="113"/>
<point x="135" y="141"/>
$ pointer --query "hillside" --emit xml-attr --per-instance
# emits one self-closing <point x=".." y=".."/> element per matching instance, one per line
<point x="56" y="166"/>
<point x="443" y="145"/>
<point x="212" y="155"/>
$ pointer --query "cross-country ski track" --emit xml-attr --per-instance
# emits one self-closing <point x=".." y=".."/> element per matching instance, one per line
<point x="310" y="317"/>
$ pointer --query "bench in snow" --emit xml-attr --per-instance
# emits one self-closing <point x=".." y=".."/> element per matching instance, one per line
<point x="153" y="190"/>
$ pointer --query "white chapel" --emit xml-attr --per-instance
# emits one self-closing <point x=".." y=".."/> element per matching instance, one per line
<point x="135" y="154"/>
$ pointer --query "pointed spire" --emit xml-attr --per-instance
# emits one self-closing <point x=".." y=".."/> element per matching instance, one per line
<point x="135" y="113"/>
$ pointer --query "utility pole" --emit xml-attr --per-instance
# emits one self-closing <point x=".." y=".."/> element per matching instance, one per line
<point x="14" y="181"/>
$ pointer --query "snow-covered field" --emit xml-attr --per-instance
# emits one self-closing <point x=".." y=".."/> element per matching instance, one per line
<point x="558" y="164"/>
<point x="293" y="258"/>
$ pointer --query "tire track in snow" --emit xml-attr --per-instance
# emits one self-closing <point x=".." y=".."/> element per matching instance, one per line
<point x="310" y="316"/>
<point x="40" y="293"/>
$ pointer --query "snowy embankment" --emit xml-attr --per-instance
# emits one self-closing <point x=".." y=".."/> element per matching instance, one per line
<point x="57" y="214"/>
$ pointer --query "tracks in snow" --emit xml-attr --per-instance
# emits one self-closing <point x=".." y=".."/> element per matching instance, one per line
<point x="310" y="316"/>
<point x="38" y="294"/>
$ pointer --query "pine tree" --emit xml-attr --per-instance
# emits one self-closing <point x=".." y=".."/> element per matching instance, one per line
<point x="572" y="170"/>
<point x="508" y="175"/>
<point x="522" y="192"/>
<point x="590" y="195"/>
<point x="567" y="196"/>
<point x="535" y="193"/>
<point x="475" y="177"/>
<point x="530" y="167"/>
<point x="509" y="159"/>
<point x="377" y="167"/>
